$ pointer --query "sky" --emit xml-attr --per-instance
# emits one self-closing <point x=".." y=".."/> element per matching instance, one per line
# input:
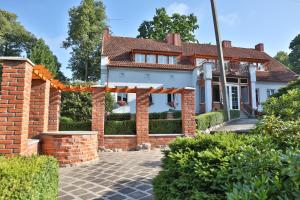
<point x="245" y="22"/>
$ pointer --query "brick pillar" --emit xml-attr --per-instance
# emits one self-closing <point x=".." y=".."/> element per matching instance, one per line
<point x="188" y="112"/>
<point x="54" y="109"/>
<point x="14" y="107"/>
<point x="98" y="113"/>
<point x="39" y="107"/>
<point x="142" y="116"/>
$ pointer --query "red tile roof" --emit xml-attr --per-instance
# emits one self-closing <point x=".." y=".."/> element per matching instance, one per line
<point x="119" y="49"/>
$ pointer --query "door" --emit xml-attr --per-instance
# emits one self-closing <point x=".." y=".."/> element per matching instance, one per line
<point x="234" y="97"/>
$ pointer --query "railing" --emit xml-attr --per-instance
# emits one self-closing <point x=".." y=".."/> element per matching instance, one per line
<point x="234" y="67"/>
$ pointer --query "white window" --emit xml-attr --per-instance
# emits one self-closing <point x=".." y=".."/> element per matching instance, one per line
<point x="260" y="67"/>
<point x="162" y="59"/>
<point x="122" y="97"/>
<point x="200" y="61"/>
<point x="245" y="94"/>
<point x="139" y="58"/>
<point x="172" y="60"/>
<point x="270" y="92"/>
<point x="172" y="100"/>
<point x="151" y="59"/>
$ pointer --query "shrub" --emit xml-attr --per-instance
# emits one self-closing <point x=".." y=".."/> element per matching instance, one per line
<point x="28" y="178"/>
<point x="164" y="126"/>
<point x="208" y="120"/>
<point x="118" y="116"/>
<point x="234" y="114"/>
<point x="75" y="126"/>
<point x="126" y="127"/>
<point x="159" y="115"/>
<point x="65" y="120"/>
<point x="228" y="166"/>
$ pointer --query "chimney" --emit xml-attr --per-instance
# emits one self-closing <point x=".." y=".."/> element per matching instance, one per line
<point x="260" y="47"/>
<point x="226" y="44"/>
<point x="174" y="39"/>
<point x="105" y="33"/>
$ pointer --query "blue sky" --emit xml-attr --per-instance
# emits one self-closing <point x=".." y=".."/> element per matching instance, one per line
<point x="244" y="22"/>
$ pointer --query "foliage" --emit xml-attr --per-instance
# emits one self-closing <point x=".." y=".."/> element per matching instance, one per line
<point x="65" y="120"/>
<point x="71" y="125"/>
<point x="162" y="24"/>
<point x="126" y="127"/>
<point x="292" y="85"/>
<point x="14" y="38"/>
<point x="234" y="114"/>
<point x="77" y="106"/>
<point x="0" y="75"/>
<point x="286" y="106"/>
<point x="208" y="120"/>
<point x="118" y="116"/>
<point x="228" y="166"/>
<point x="84" y="38"/>
<point x="294" y="56"/>
<point x="109" y="102"/>
<point x="282" y="57"/>
<point x="165" y="126"/>
<point x="28" y="178"/>
<point x="157" y="115"/>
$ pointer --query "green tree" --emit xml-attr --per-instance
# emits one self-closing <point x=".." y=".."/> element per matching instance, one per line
<point x="162" y="23"/>
<point x="14" y="38"/>
<point x="283" y="57"/>
<point x="294" y="56"/>
<point x="87" y="22"/>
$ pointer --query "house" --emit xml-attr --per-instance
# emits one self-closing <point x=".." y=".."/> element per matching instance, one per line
<point x="252" y="75"/>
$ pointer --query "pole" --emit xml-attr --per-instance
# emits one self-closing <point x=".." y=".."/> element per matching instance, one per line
<point x="221" y="61"/>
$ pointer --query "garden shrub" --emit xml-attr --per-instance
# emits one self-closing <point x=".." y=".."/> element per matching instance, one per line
<point x="157" y="115"/>
<point x="228" y="166"/>
<point x="125" y="127"/>
<point x="235" y="114"/>
<point x="28" y="178"/>
<point x="208" y="120"/>
<point x="118" y="116"/>
<point x="164" y="126"/>
<point x="65" y="120"/>
<point x="75" y="126"/>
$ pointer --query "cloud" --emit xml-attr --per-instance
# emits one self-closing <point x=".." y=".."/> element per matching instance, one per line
<point x="231" y="19"/>
<point x="180" y="8"/>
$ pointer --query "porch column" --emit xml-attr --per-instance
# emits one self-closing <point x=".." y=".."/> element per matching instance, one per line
<point x="14" y="106"/>
<point x="208" y="85"/>
<point x="142" y="116"/>
<point x="39" y="107"/>
<point x="54" y="109"/>
<point x="188" y="111"/>
<point x="98" y="113"/>
<point x="252" y="72"/>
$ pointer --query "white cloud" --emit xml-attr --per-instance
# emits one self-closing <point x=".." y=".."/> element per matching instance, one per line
<point x="231" y="19"/>
<point x="180" y="8"/>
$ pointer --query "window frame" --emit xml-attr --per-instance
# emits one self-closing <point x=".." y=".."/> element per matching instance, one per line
<point x="123" y="96"/>
<point x="213" y="96"/>
<point x="139" y="54"/>
<point x="155" y="58"/>
<point x="173" y="58"/>
<point x="248" y="94"/>
<point x="164" y="56"/>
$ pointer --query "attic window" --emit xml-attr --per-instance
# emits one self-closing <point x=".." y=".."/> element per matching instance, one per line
<point x="139" y="58"/>
<point x="151" y="59"/>
<point x="162" y="60"/>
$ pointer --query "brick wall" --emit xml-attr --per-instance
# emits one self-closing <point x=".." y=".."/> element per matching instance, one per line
<point x="162" y="140"/>
<point x="54" y="109"/>
<point x="188" y="112"/>
<point x="98" y="113"/>
<point x="14" y="107"/>
<point x="142" y="116"/>
<point x="39" y="107"/>
<point x="71" y="150"/>
<point x="120" y="142"/>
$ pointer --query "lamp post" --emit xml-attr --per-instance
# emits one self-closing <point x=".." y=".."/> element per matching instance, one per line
<point x="221" y="61"/>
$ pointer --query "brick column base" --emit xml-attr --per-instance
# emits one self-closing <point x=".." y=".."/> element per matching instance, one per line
<point x="188" y="112"/>
<point x="98" y="113"/>
<point x="54" y="109"/>
<point x="142" y="116"/>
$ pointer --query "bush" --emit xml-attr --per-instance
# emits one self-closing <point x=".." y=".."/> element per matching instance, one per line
<point x="165" y="126"/>
<point x="65" y="120"/>
<point x="75" y="126"/>
<point x="235" y="114"/>
<point x="118" y="116"/>
<point x="126" y="127"/>
<point x="158" y="115"/>
<point x="228" y="166"/>
<point x="208" y="120"/>
<point x="28" y="178"/>
<point x="161" y="115"/>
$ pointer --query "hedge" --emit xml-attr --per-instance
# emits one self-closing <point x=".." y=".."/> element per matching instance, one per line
<point x="163" y="126"/>
<point x="126" y="127"/>
<point x="75" y="126"/>
<point x="118" y="116"/>
<point x="156" y="115"/>
<point x="208" y="120"/>
<point x="28" y="178"/>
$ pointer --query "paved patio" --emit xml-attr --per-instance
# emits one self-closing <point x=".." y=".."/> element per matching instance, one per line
<point x="238" y="126"/>
<point x="116" y="176"/>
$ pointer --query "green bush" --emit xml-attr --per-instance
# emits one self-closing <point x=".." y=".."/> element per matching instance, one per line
<point x="161" y="115"/>
<point x="234" y="114"/>
<point x="164" y="126"/>
<point x="75" y="126"/>
<point x="118" y="116"/>
<point x="228" y="166"/>
<point x="65" y="120"/>
<point x="126" y="127"/>
<point x="28" y="178"/>
<point x="208" y="120"/>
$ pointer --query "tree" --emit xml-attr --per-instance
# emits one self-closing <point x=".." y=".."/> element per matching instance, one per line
<point x="14" y="38"/>
<point x="162" y="24"/>
<point x="294" y="56"/>
<point x="87" y="22"/>
<point x="283" y="57"/>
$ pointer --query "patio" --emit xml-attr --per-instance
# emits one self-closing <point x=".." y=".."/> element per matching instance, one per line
<point x="116" y="176"/>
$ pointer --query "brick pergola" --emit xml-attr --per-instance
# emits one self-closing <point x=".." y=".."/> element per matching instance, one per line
<point x="30" y="105"/>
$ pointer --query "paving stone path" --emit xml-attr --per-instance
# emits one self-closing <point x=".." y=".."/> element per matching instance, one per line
<point x="238" y="126"/>
<point x="116" y="176"/>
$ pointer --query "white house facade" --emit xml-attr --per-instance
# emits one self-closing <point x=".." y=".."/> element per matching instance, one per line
<point x="251" y="74"/>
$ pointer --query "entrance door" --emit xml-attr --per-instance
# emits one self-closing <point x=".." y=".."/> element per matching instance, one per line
<point x="234" y="97"/>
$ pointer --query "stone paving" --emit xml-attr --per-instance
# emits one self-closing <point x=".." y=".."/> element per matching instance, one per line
<point x="116" y="176"/>
<point x="238" y="126"/>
